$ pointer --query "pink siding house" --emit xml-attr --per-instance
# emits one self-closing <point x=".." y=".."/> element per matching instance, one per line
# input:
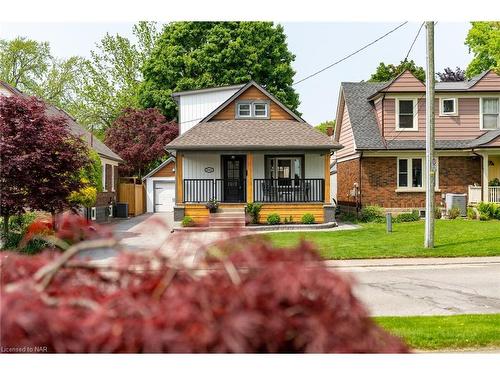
<point x="382" y="129"/>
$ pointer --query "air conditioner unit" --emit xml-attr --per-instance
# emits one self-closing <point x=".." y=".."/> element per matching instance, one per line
<point x="456" y="200"/>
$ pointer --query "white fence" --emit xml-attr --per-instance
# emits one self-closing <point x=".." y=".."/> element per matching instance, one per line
<point x="494" y="194"/>
<point x="475" y="194"/>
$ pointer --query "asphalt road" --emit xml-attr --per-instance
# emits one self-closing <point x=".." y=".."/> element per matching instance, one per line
<point x="446" y="289"/>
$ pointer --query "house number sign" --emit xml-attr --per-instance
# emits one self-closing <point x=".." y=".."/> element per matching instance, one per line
<point x="209" y="169"/>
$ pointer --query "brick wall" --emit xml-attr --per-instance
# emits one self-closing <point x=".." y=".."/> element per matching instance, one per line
<point x="104" y="198"/>
<point x="379" y="181"/>
<point x="347" y="175"/>
<point x="456" y="173"/>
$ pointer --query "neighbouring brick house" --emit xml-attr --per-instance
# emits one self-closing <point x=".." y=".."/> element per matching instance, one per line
<point x="109" y="159"/>
<point x="382" y="129"/>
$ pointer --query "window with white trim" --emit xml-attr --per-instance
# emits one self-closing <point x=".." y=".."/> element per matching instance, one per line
<point x="410" y="172"/>
<point x="406" y="114"/>
<point x="490" y="113"/>
<point x="244" y="109"/>
<point x="448" y="107"/>
<point x="260" y="109"/>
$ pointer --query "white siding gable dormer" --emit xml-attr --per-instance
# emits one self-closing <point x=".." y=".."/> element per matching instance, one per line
<point x="195" y="106"/>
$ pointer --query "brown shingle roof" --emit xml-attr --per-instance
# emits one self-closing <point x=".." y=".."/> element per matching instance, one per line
<point x="253" y="135"/>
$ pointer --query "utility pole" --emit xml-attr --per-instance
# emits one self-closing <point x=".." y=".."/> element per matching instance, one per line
<point x="430" y="163"/>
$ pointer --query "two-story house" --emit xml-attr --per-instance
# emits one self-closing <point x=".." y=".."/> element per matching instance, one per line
<point x="382" y="129"/>
<point x="109" y="159"/>
<point x="240" y="144"/>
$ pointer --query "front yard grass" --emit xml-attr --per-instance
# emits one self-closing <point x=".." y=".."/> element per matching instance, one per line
<point x="453" y="238"/>
<point x="446" y="332"/>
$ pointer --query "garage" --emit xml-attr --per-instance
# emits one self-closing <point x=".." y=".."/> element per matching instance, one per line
<point x="160" y="187"/>
<point x="164" y="196"/>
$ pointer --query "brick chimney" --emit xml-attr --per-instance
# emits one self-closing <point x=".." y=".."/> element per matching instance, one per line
<point x="329" y="131"/>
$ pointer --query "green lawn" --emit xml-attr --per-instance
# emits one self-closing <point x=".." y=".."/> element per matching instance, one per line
<point x="445" y="332"/>
<point x="453" y="238"/>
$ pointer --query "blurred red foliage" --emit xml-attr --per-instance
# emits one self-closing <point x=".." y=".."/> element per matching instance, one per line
<point x="258" y="300"/>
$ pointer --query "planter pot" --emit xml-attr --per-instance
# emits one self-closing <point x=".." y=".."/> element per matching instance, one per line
<point x="212" y="210"/>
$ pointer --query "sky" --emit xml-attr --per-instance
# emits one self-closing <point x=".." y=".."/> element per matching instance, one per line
<point x="315" y="45"/>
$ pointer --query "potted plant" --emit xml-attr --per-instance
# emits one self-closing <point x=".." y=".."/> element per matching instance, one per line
<point x="212" y="205"/>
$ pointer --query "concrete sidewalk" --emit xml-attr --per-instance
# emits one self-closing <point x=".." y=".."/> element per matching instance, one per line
<point x="412" y="262"/>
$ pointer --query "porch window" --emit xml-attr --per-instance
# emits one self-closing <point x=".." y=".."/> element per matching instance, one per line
<point x="244" y="109"/>
<point x="410" y="173"/>
<point x="406" y="114"/>
<point x="489" y="115"/>
<point x="284" y="167"/>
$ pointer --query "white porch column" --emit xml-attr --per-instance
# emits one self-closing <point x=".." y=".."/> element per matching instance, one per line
<point x="485" y="178"/>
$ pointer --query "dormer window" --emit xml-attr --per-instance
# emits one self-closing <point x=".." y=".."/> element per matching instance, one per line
<point x="260" y="109"/>
<point x="244" y="109"/>
<point x="448" y="107"/>
<point x="406" y="114"/>
<point x="257" y="109"/>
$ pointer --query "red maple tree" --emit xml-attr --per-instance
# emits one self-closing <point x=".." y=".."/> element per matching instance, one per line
<point x="139" y="136"/>
<point x="39" y="158"/>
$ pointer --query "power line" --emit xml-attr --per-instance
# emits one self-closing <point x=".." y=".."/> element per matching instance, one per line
<point x="414" y="40"/>
<point x="351" y="54"/>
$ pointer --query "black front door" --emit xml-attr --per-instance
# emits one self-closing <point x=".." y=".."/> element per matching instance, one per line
<point x="234" y="178"/>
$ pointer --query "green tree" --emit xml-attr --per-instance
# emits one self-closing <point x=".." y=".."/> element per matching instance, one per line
<point x="483" y="40"/>
<point x="324" y="125"/>
<point x="30" y="66"/>
<point x="388" y="72"/>
<point x="111" y="77"/>
<point x="193" y="55"/>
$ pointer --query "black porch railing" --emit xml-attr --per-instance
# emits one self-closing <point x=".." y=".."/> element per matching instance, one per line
<point x="224" y="190"/>
<point x="289" y="190"/>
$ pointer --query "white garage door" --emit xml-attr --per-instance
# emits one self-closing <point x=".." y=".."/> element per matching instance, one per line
<point x="164" y="196"/>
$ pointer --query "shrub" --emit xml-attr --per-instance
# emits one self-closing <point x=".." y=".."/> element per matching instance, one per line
<point x="267" y="308"/>
<point x="438" y="212"/>
<point x="492" y="210"/>
<point x="484" y="217"/>
<point x="273" y="219"/>
<point x="19" y="225"/>
<point x="187" y="221"/>
<point x="347" y="216"/>
<point x="453" y="213"/>
<point x="406" y="217"/>
<point x="472" y="213"/>
<point x="372" y="213"/>
<point x="307" y="218"/>
<point x="253" y="209"/>
<point x="86" y="196"/>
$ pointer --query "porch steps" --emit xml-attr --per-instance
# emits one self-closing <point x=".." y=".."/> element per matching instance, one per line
<point x="227" y="218"/>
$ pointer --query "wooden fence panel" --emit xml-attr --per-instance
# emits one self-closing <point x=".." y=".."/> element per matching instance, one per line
<point x="133" y="194"/>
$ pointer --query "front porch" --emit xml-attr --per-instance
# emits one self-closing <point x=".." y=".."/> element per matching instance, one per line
<point x="285" y="182"/>
<point x="490" y="189"/>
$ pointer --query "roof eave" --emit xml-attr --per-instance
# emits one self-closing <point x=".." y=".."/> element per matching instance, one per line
<point x="251" y="147"/>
